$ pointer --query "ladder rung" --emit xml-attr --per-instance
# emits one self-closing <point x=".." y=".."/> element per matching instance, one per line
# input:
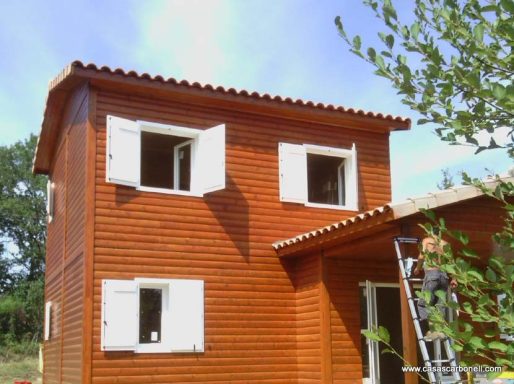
<point x="442" y="361"/>
<point x="413" y="279"/>
<point x="413" y="298"/>
<point x="411" y="240"/>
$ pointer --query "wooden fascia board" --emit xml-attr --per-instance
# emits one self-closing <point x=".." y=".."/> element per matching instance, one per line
<point x="248" y="104"/>
<point x="338" y="236"/>
<point x="55" y="105"/>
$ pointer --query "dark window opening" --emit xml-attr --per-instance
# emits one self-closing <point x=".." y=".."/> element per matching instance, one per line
<point x="158" y="161"/>
<point x="150" y="313"/>
<point x="325" y="179"/>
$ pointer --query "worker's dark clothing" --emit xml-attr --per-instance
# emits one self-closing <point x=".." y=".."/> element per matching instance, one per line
<point x="435" y="280"/>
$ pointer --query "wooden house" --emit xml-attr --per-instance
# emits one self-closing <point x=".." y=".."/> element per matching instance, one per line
<point x="167" y="201"/>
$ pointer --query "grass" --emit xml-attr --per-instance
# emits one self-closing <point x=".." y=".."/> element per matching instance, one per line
<point x="19" y="369"/>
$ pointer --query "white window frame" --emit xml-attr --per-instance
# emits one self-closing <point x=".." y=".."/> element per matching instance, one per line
<point x="164" y="345"/>
<point x="176" y="162"/>
<point x="172" y="130"/>
<point x="350" y="175"/>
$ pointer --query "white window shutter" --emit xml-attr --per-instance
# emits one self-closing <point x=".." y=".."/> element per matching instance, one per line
<point x="123" y="151"/>
<point x="187" y="315"/>
<point x="352" y="191"/>
<point x="210" y="165"/>
<point x="48" y="319"/>
<point x="120" y="324"/>
<point x="292" y="172"/>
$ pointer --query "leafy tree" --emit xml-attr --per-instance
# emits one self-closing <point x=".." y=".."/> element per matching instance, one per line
<point x="22" y="211"/>
<point x="486" y="297"/>
<point x="22" y="251"/>
<point x="454" y="65"/>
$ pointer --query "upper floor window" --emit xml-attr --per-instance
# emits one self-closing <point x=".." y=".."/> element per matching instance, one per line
<point x="318" y="176"/>
<point x="165" y="158"/>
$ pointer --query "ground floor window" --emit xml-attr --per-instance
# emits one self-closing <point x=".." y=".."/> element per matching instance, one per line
<point x="153" y="315"/>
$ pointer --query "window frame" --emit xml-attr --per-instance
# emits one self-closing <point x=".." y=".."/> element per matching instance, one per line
<point x="182" y="315"/>
<point x="164" y="345"/>
<point x="171" y="130"/>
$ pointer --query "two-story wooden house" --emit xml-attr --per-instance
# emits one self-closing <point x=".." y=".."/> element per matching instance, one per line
<point x="165" y="200"/>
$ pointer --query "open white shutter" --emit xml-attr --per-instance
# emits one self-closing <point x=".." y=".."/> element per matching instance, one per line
<point x="352" y="192"/>
<point x="187" y="316"/>
<point x="123" y="151"/>
<point x="292" y="172"/>
<point x="210" y="165"/>
<point x="120" y="326"/>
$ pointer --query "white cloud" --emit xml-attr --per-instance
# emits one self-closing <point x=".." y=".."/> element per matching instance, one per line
<point x="183" y="39"/>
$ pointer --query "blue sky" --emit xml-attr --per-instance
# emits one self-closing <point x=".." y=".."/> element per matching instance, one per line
<point x="285" y="47"/>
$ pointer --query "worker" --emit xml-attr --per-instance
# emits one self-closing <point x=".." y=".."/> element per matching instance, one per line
<point x="434" y="280"/>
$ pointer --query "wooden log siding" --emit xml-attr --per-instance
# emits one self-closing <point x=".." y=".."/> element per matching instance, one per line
<point x="344" y="276"/>
<point x="251" y="305"/>
<point x="63" y="356"/>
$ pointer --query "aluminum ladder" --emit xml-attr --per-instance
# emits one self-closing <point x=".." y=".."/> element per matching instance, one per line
<point x="405" y="265"/>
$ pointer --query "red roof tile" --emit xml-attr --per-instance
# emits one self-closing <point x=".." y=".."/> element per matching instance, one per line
<point x="220" y="89"/>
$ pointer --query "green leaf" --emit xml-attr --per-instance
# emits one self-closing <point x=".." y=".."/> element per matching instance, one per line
<point x="477" y="342"/>
<point x="357" y="42"/>
<point x="475" y="275"/>
<point x="389" y="11"/>
<point x="414" y="30"/>
<point x="467" y="307"/>
<point x="340" y="28"/>
<point x="470" y="253"/>
<point x="371" y="335"/>
<point x="499" y="91"/>
<point x="428" y="213"/>
<point x="491" y="275"/>
<point x="478" y="32"/>
<point x="461" y="236"/>
<point x="498" y="346"/>
<point x="372" y="54"/>
<point x="379" y="61"/>
<point x="384" y="334"/>
<point x="390" y="41"/>
<point x="508" y="6"/>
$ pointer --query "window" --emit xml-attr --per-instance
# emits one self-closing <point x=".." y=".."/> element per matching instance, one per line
<point x="48" y="317"/>
<point x="165" y="158"/>
<point x="318" y="176"/>
<point x="153" y="315"/>
<point x="50" y="190"/>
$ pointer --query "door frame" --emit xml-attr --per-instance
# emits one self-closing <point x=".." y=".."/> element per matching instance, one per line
<point x="372" y="321"/>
